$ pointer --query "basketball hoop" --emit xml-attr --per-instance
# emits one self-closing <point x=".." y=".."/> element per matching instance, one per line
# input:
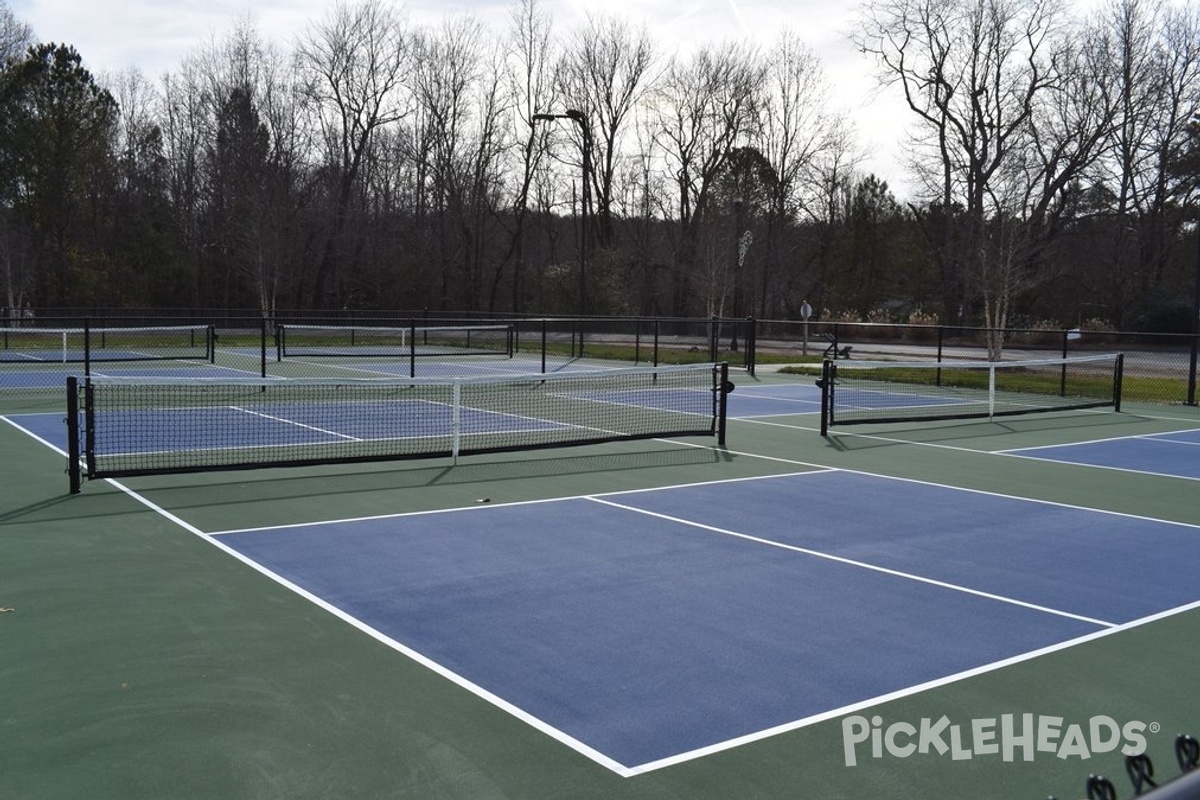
<point x="744" y="245"/>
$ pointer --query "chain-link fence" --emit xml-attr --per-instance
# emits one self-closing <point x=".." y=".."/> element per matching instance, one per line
<point x="1159" y="367"/>
<point x="39" y="349"/>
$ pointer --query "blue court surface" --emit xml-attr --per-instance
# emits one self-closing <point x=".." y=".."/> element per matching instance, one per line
<point x="774" y="400"/>
<point x="283" y="425"/>
<point x="663" y="624"/>
<point x="43" y="378"/>
<point x="1174" y="454"/>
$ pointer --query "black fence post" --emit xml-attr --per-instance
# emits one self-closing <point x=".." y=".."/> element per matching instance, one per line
<point x="412" y="346"/>
<point x="751" y="344"/>
<point x="940" y="339"/>
<point x="73" y="434"/>
<point x="1062" y="381"/>
<point x="1118" y="381"/>
<point x="656" y="330"/>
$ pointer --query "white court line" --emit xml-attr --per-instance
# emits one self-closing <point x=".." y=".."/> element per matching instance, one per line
<point x="825" y="467"/>
<point x="35" y="437"/>
<point x="583" y="749"/>
<point x="1162" y="438"/>
<point x="1103" y="440"/>
<point x="296" y="423"/>
<point x="1030" y="453"/>
<point x="1108" y="467"/>
<point x="860" y="564"/>
<point x="1013" y="453"/>
<point x="513" y="504"/>
<point x="908" y="691"/>
<point x="416" y="656"/>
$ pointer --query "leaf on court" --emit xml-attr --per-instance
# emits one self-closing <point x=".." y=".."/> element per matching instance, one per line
<point x="6" y="610"/>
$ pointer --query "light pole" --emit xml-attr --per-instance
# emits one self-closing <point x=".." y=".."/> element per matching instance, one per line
<point x="580" y="119"/>
<point x="741" y="242"/>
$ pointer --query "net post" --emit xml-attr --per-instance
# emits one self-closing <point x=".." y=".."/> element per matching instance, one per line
<point x="826" y="384"/>
<point x="714" y="333"/>
<point x="280" y="334"/>
<point x="211" y="333"/>
<point x="73" y="474"/>
<point x="89" y="427"/>
<point x="723" y="389"/>
<point x="1118" y="380"/>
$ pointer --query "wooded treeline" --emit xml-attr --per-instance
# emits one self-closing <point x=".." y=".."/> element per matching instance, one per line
<point x="374" y="163"/>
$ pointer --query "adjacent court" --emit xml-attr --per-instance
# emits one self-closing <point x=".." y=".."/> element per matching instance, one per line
<point x="1171" y="454"/>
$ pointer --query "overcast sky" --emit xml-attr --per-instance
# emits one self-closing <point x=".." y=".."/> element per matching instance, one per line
<point x="154" y="35"/>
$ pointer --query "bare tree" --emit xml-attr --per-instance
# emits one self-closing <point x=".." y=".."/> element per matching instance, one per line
<point x="705" y="109"/>
<point x="995" y="89"/>
<point x="233" y="140"/>
<point x="355" y="63"/>
<point x="1155" y="55"/>
<point x="15" y="36"/>
<point x="530" y="78"/>
<point x="458" y="87"/>
<point x="606" y="69"/>
<point x="810" y="149"/>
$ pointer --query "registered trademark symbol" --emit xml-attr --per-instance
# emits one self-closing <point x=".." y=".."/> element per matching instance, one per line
<point x="1155" y="727"/>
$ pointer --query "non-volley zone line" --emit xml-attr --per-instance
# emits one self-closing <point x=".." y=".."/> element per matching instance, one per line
<point x="646" y="633"/>
<point x="1167" y="454"/>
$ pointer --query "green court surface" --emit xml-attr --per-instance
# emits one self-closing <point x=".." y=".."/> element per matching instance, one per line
<point x="141" y="658"/>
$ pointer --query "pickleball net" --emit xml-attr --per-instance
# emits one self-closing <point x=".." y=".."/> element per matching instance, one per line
<point x="85" y="344"/>
<point x="379" y="341"/>
<point x="121" y="427"/>
<point x="857" y="392"/>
